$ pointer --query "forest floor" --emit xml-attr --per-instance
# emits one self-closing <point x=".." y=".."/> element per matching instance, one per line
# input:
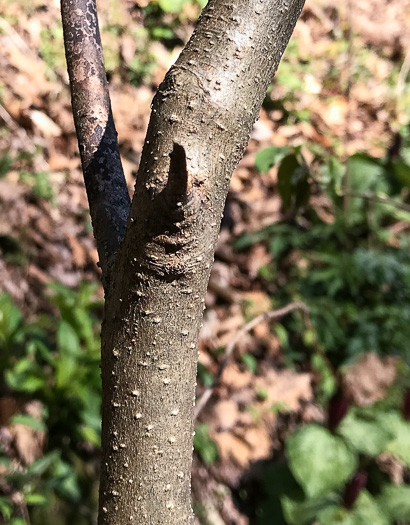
<point x="342" y="85"/>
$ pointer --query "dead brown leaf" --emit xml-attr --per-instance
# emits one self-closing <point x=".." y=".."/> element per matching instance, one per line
<point x="368" y="379"/>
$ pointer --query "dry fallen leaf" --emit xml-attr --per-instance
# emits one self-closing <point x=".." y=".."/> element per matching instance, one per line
<point x="368" y="379"/>
<point x="284" y="387"/>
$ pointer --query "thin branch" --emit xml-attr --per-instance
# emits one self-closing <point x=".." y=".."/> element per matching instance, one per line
<point x="267" y="316"/>
<point x="97" y="137"/>
<point x="376" y="198"/>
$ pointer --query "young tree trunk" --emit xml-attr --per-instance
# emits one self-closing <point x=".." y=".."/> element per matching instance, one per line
<point x="156" y="265"/>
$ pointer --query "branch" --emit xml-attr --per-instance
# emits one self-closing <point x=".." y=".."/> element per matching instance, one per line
<point x="202" y="117"/>
<point x="378" y="198"/>
<point x="97" y="137"/>
<point x="267" y="316"/>
<point x="201" y="120"/>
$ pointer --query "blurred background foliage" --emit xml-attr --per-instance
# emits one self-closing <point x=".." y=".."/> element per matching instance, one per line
<point x="338" y="242"/>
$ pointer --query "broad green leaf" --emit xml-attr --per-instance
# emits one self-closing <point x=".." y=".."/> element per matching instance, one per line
<point x="303" y="512"/>
<point x="395" y="502"/>
<point x="399" y="446"/>
<point x="320" y="461"/>
<point x="332" y="174"/>
<point x="269" y="157"/>
<point x="365" y="435"/>
<point x="366" y="511"/>
<point x="366" y="173"/>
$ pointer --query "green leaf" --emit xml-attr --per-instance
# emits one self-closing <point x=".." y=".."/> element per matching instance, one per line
<point x="366" y="173"/>
<point x="366" y="511"/>
<point x="247" y="240"/>
<point x="365" y="435"/>
<point x="293" y="184"/>
<point x="332" y="174"/>
<point x="402" y="172"/>
<point x="10" y="317"/>
<point x="5" y="507"/>
<point x="269" y="157"/>
<point x="29" y="421"/>
<point x="68" y="341"/>
<point x="66" y="481"/>
<point x="286" y="76"/>
<point x="41" y="465"/>
<point x="395" y="502"/>
<point x="400" y="445"/>
<point x="90" y="435"/>
<point x="320" y="461"/>
<point x="287" y="168"/>
<point x="204" y="375"/>
<point x="204" y="445"/>
<point x="303" y="512"/>
<point x="250" y="362"/>
<point x="6" y="163"/>
<point x="327" y="379"/>
<point x="25" y="377"/>
<point x="171" y="6"/>
<point x="66" y="368"/>
<point x="85" y="325"/>
<point x="35" y="499"/>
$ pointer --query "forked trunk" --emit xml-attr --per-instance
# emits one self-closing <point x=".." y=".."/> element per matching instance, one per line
<point x="202" y="116"/>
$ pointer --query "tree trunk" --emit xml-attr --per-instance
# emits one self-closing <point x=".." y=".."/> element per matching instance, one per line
<point x="202" y="116"/>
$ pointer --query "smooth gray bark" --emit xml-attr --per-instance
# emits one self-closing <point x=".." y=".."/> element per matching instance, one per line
<point x="202" y="116"/>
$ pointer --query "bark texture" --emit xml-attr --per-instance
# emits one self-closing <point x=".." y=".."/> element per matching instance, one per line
<point x="97" y="137"/>
<point x="201" y="120"/>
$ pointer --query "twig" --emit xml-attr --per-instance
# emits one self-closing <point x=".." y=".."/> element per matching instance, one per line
<point x="15" y="37"/>
<point x="97" y="137"/>
<point x="267" y="316"/>
<point x="376" y="198"/>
